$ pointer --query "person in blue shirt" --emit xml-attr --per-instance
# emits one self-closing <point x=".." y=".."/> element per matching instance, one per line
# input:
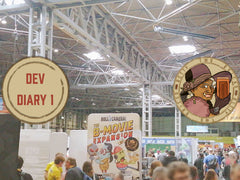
<point x="210" y="162"/>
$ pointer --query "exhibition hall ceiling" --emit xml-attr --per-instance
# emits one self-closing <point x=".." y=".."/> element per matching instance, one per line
<point x="168" y="33"/>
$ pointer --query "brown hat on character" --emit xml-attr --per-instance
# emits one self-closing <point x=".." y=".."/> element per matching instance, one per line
<point x="200" y="73"/>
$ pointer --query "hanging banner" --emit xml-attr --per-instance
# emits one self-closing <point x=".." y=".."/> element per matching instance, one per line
<point x="206" y="90"/>
<point x="35" y="90"/>
<point x="234" y="116"/>
<point x="114" y="144"/>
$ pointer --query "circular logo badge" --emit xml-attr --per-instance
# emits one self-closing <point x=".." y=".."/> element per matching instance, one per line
<point x="35" y="90"/>
<point x="206" y="90"/>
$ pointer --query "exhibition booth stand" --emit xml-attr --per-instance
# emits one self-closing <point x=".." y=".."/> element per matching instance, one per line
<point x="111" y="146"/>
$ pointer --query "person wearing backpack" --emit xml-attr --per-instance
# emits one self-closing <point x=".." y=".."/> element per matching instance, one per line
<point x="210" y="162"/>
<point x="22" y="175"/>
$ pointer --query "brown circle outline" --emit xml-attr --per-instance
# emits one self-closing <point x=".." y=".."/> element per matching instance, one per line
<point x="33" y="117"/>
<point x="49" y="119"/>
<point x="207" y="120"/>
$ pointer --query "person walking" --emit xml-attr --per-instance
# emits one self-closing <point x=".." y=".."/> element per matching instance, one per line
<point x="199" y="165"/>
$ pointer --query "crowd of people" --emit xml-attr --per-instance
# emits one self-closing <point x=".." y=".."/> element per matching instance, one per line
<point x="210" y="165"/>
<point x="54" y="170"/>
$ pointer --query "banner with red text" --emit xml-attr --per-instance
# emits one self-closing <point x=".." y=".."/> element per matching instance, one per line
<point x="114" y="144"/>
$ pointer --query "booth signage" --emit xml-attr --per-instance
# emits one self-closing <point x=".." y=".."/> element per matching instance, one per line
<point x="114" y="144"/>
<point x="202" y="129"/>
<point x="35" y="90"/>
<point x="206" y="90"/>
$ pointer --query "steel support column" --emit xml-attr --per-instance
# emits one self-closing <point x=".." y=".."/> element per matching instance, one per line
<point x="178" y="123"/>
<point x="147" y="110"/>
<point x="40" y="38"/>
<point x="40" y="35"/>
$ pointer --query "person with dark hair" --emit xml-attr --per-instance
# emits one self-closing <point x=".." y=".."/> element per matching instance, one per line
<point x="169" y="159"/>
<point x="179" y="171"/>
<point x="74" y="172"/>
<point x="22" y="175"/>
<point x="88" y="170"/>
<point x="199" y="165"/>
<point x="70" y="162"/>
<point x="54" y="172"/>
<point x="211" y="175"/>
<point x="182" y="157"/>
<point x="49" y="165"/>
<point x="194" y="172"/>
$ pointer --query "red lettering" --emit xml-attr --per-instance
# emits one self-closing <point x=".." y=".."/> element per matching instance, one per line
<point x="108" y="138"/>
<point x="36" y="100"/>
<point x="94" y="140"/>
<point x="34" y="78"/>
<point x="99" y="140"/>
<point x="125" y="135"/>
<point x="29" y="101"/>
<point x="130" y="134"/>
<point x="43" y="98"/>
<point x="103" y="139"/>
<point x="112" y="137"/>
<point x="28" y="78"/>
<point x="117" y="136"/>
<point x="41" y="78"/>
<point x="51" y="99"/>
<point x="19" y="99"/>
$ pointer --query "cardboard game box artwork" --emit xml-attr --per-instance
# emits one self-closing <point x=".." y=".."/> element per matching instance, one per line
<point x="113" y="144"/>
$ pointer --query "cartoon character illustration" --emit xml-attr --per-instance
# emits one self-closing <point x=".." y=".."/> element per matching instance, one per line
<point x="92" y="150"/>
<point x="199" y="88"/>
<point x="104" y="157"/>
<point x="121" y="161"/>
<point x="119" y="156"/>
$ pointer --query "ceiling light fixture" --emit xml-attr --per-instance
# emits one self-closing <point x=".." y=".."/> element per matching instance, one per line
<point x="182" y="49"/>
<point x="56" y="50"/>
<point x="156" y="97"/>
<point x="93" y="55"/>
<point x="3" y="21"/>
<point x="168" y="2"/>
<point x="161" y="29"/>
<point x="11" y="2"/>
<point x="185" y="38"/>
<point x="129" y="104"/>
<point x="117" y="72"/>
<point x="126" y="89"/>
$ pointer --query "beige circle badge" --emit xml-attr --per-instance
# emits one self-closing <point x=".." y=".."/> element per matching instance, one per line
<point x="35" y="90"/>
<point x="206" y="90"/>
